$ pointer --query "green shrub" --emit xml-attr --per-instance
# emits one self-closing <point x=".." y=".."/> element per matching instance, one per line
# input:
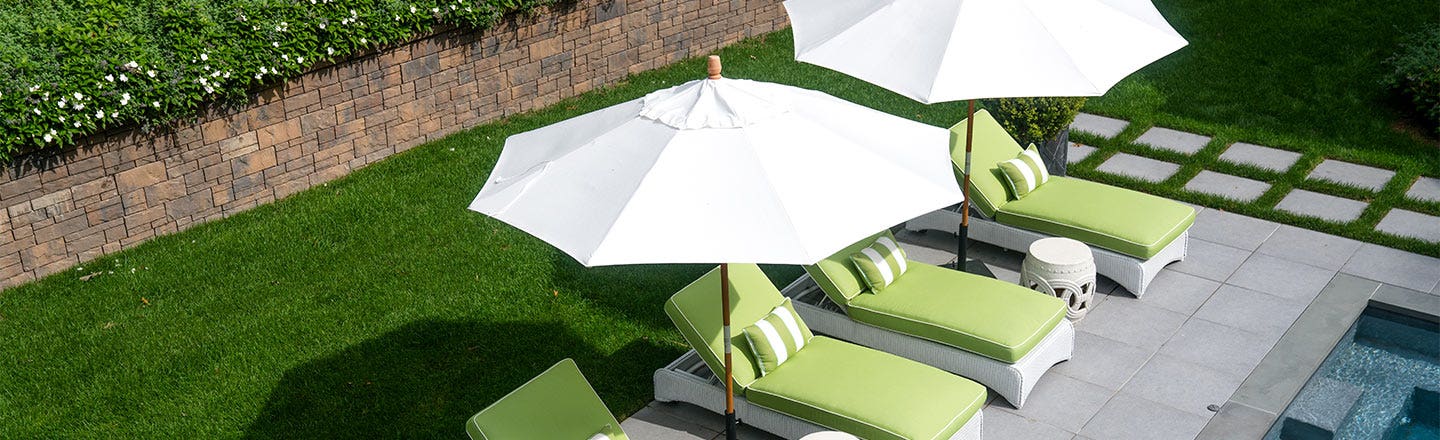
<point x="70" y="68"/>
<point x="1416" y="72"/>
<point x="1034" y="120"/>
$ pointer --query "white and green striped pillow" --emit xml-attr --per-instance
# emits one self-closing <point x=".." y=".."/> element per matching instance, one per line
<point x="1025" y="172"/>
<point x="776" y="337"/>
<point x="881" y="263"/>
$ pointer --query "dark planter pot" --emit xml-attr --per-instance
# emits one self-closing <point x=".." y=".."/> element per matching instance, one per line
<point x="1055" y="151"/>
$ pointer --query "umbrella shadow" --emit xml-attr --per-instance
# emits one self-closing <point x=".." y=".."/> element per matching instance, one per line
<point x="426" y="378"/>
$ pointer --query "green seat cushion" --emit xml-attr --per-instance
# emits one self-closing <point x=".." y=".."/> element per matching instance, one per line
<point x="992" y="145"/>
<point x="696" y="312"/>
<point x="1129" y="222"/>
<point x="558" y="403"/>
<point x="868" y="393"/>
<point x="982" y="315"/>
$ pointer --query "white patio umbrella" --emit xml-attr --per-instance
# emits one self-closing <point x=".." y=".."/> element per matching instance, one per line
<point x="719" y="171"/>
<point x="950" y="50"/>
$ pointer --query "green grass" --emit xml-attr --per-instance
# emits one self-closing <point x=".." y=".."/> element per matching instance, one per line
<point x="377" y="306"/>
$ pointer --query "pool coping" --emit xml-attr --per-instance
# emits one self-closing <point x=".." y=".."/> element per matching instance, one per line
<point x="1273" y="384"/>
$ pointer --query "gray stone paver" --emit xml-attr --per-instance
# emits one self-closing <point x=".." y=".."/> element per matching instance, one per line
<point x="1079" y="152"/>
<point x="1321" y="206"/>
<point x="1410" y="224"/>
<point x="1182" y="385"/>
<point x="1394" y="266"/>
<point x="1224" y="185"/>
<point x="1425" y="189"/>
<point x="1266" y="158"/>
<point x="1098" y="125"/>
<point x="1173" y="140"/>
<point x="1143" y="168"/>
<point x="1309" y="247"/>
<point x="1129" y="417"/>
<point x="1360" y="176"/>
<point x="1146" y="368"/>
<point x="1232" y="229"/>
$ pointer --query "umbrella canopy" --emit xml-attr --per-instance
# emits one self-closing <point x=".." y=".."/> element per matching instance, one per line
<point x="719" y="170"/>
<point x="950" y="50"/>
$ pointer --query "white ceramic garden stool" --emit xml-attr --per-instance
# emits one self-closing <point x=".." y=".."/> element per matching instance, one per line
<point x="1063" y="268"/>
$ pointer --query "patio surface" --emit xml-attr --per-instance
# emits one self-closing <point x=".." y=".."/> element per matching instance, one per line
<point x="1152" y="368"/>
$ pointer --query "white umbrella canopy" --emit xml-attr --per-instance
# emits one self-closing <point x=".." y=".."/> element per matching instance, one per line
<point x="719" y="170"/>
<point x="951" y="50"/>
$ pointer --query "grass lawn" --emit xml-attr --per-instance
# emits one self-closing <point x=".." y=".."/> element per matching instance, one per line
<point x="377" y="306"/>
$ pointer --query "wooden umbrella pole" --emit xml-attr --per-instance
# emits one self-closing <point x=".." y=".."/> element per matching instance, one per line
<point x="713" y="69"/>
<point x="964" y="233"/>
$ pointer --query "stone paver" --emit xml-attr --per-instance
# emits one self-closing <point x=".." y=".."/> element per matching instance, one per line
<point x="1280" y="277"/>
<point x="1102" y="361"/>
<point x="1256" y="312"/>
<point x="1182" y="385"/>
<point x="1224" y="185"/>
<point x="1425" y="189"/>
<point x="1079" y="152"/>
<point x="1128" y="417"/>
<point x="1210" y="260"/>
<point x="1098" y="125"/>
<point x="1062" y="402"/>
<point x="1361" y="176"/>
<point x="1179" y="292"/>
<point x="1143" y="168"/>
<point x="1321" y="206"/>
<point x="1266" y="158"/>
<point x="1232" y="229"/>
<point x="1003" y="425"/>
<point x="1394" y="266"/>
<point x="1309" y="247"/>
<point x="1410" y="224"/>
<point x="1173" y="140"/>
<point x="1218" y="347"/>
<point x="1132" y="322"/>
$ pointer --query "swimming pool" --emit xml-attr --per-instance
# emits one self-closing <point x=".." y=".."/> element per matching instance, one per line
<point x="1382" y="381"/>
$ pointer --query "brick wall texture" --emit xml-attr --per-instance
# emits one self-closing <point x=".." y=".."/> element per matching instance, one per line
<point x="111" y="192"/>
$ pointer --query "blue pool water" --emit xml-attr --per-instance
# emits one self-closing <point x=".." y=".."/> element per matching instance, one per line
<point x="1382" y="381"/>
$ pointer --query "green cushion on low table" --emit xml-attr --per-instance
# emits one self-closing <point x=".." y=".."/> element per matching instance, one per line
<point x="983" y="315"/>
<point x="1129" y="222"/>
<point x="868" y="393"/>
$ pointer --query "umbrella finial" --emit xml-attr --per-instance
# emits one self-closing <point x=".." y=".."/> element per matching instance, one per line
<point x="714" y="67"/>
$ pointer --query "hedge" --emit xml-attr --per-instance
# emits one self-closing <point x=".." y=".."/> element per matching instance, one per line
<point x="1415" y="73"/>
<point x="71" y="68"/>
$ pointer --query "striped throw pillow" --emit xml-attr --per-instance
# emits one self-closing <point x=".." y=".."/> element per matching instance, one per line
<point x="776" y="337"/>
<point x="1025" y="173"/>
<point x="881" y="263"/>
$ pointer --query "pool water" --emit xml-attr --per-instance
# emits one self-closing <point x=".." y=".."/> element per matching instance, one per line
<point x="1382" y="381"/>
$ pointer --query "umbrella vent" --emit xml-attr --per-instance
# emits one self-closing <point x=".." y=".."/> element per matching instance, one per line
<point x="714" y="103"/>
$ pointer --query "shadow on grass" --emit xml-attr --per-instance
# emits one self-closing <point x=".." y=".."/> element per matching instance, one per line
<point x="425" y="379"/>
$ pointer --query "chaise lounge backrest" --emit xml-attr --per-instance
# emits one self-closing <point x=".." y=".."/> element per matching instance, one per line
<point x="695" y="310"/>
<point x="992" y="145"/>
<point x="838" y="277"/>
<point x="558" y="403"/>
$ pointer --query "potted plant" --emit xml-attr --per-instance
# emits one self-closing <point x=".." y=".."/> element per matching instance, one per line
<point x="1044" y="122"/>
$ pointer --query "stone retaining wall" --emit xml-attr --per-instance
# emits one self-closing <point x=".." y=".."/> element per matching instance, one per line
<point x="112" y="192"/>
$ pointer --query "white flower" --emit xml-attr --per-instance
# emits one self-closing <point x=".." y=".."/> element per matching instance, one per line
<point x="322" y="25"/>
<point x="34" y="88"/>
<point x="62" y="119"/>
<point x="207" y="67"/>
<point x="329" y="51"/>
<point x="397" y="18"/>
<point x="151" y="73"/>
<point x="79" y="106"/>
<point x="99" y="114"/>
<point x="132" y="65"/>
<point x="47" y="138"/>
<point x="435" y="10"/>
<point x="110" y="78"/>
<point x="274" y="44"/>
<point x="300" y="60"/>
<point x="204" y="57"/>
<point x="254" y="28"/>
<point x="124" y="78"/>
<point x="155" y="104"/>
<point x="78" y="96"/>
<point x="452" y="7"/>
<point x="226" y="75"/>
<point x="263" y="70"/>
<point x="278" y="29"/>
<point x="77" y="124"/>
<point x="353" y="14"/>
<point x="114" y="114"/>
<point x="209" y="89"/>
<point x="215" y="74"/>
<point x="412" y="9"/>
<point x="362" y="41"/>
<point x="257" y="76"/>
<point x="60" y="104"/>
<point x="204" y="82"/>
<point x="36" y="110"/>
<point x="285" y="56"/>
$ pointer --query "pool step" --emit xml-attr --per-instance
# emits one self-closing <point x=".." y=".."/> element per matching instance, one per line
<point x="1320" y="409"/>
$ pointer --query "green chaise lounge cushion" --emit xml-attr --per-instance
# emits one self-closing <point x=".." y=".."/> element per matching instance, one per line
<point x="1129" y="222"/>
<point x="983" y="315"/>
<point x="843" y="386"/>
<point x="830" y="383"/>
<point x="558" y="403"/>
<point x="1124" y="221"/>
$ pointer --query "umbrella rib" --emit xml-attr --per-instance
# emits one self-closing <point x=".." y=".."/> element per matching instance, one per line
<point x="944" y="55"/>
